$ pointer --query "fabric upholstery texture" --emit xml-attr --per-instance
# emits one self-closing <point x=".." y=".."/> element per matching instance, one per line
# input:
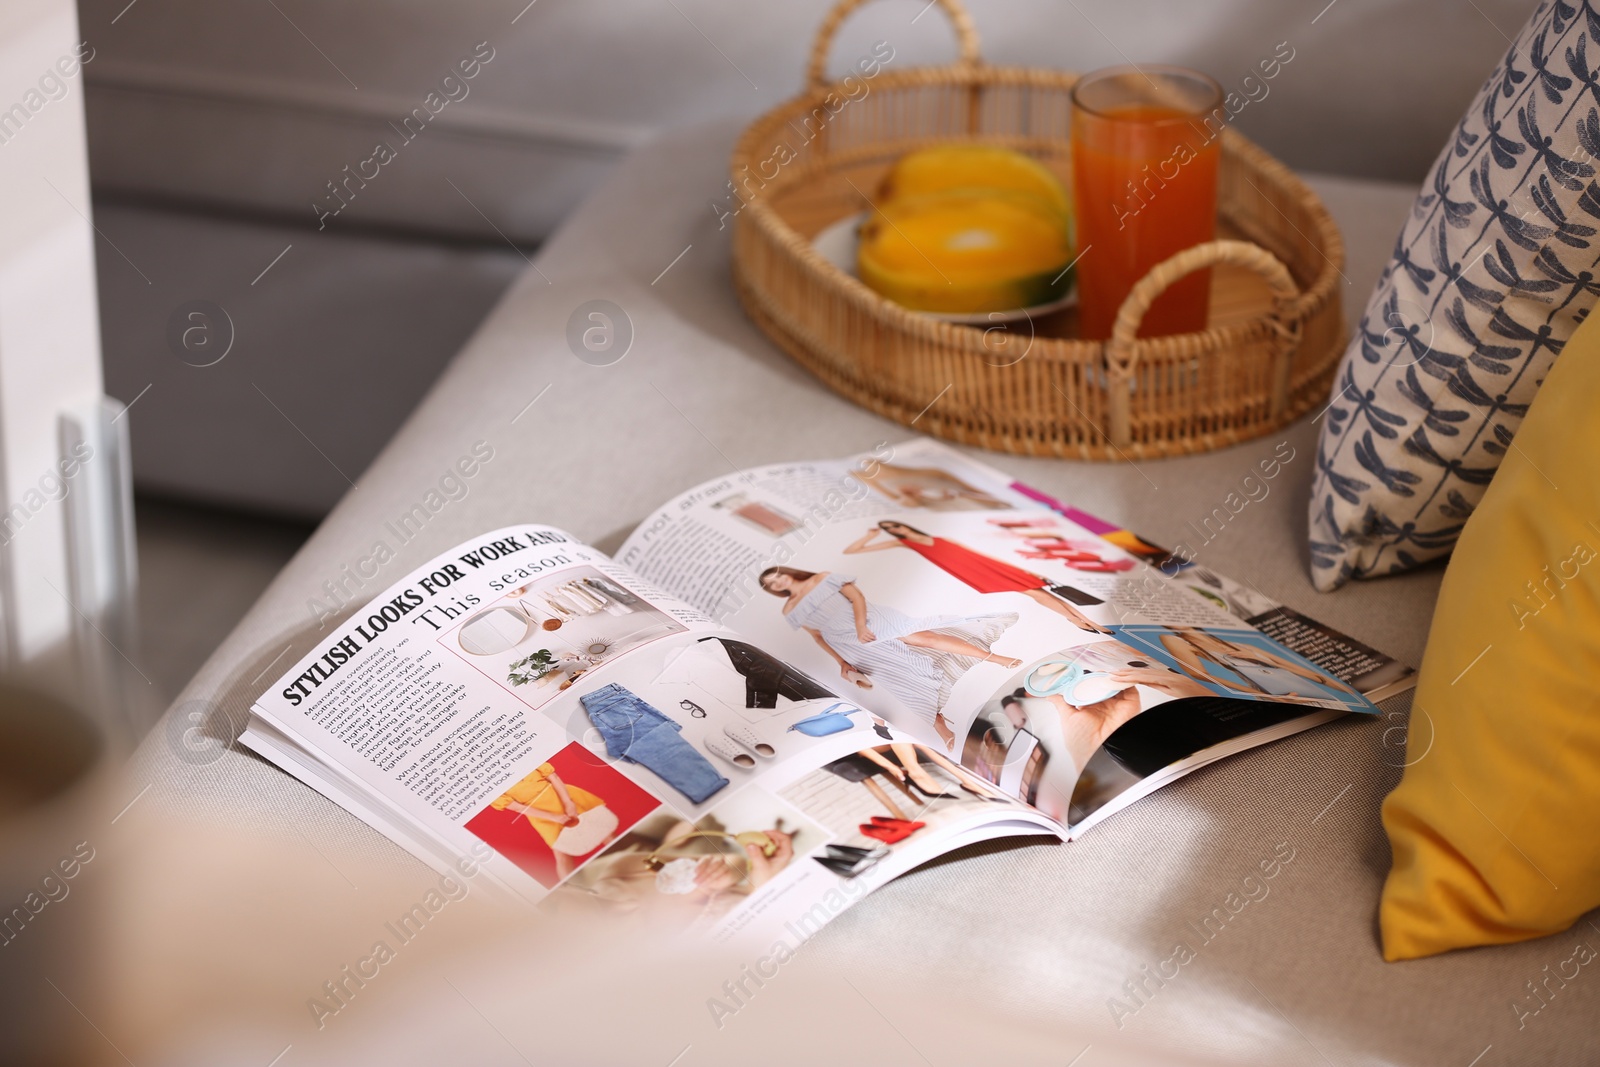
<point x="1006" y="943"/>
<point x="1492" y="271"/>
<point x="1496" y="823"/>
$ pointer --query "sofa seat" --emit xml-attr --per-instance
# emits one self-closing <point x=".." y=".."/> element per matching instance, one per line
<point x="1045" y="950"/>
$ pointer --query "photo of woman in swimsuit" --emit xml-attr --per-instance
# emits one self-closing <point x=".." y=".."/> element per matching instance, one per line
<point x="1247" y="669"/>
<point x="983" y="573"/>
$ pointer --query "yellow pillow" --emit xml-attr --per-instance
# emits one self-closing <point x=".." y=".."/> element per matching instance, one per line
<point x="1495" y="825"/>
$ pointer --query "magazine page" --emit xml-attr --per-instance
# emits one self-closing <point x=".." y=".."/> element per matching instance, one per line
<point x="523" y="704"/>
<point x="1372" y="673"/>
<point x="1006" y="748"/>
<point x="979" y="619"/>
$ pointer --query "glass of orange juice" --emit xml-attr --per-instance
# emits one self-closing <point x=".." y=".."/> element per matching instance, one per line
<point x="1145" y="148"/>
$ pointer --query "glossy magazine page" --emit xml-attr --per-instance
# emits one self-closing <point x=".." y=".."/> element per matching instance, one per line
<point x="523" y="707"/>
<point x="1031" y="644"/>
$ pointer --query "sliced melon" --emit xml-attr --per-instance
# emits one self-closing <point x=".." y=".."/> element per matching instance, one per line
<point x="971" y="166"/>
<point x="966" y="252"/>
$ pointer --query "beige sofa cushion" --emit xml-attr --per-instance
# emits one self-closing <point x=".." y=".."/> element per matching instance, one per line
<point x="1034" y="947"/>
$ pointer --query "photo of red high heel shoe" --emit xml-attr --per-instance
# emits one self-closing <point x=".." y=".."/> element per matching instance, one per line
<point x="890" y="831"/>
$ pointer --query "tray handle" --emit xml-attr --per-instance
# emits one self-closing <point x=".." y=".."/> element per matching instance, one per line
<point x="1122" y="353"/>
<point x="960" y="21"/>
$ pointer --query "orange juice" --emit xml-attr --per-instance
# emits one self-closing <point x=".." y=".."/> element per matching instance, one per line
<point x="1144" y="188"/>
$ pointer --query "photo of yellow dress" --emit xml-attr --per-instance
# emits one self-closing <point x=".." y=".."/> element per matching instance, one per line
<point x="548" y="803"/>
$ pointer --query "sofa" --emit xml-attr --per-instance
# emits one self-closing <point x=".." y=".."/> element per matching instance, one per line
<point x="247" y="890"/>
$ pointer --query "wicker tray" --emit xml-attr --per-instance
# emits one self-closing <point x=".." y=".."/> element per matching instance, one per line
<point x="1276" y="328"/>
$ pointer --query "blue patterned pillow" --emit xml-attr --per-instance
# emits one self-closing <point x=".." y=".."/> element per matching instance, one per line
<point x="1493" y="271"/>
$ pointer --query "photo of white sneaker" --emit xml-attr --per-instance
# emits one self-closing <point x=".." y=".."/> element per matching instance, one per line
<point x="746" y="737"/>
<point x="722" y="746"/>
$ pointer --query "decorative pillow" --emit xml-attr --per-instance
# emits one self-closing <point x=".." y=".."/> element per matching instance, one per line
<point x="1495" y="825"/>
<point x="1494" y="269"/>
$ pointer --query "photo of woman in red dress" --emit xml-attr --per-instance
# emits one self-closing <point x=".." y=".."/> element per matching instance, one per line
<point x="983" y="573"/>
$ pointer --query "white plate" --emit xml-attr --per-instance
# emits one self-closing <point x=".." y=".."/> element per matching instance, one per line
<point x="838" y="244"/>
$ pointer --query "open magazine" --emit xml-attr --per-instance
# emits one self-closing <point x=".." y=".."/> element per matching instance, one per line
<point x="788" y="686"/>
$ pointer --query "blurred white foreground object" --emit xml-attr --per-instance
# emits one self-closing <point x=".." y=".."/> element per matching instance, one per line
<point x="67" y="570"/>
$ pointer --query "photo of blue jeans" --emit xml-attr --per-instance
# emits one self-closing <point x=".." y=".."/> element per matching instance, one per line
<point x="638" y="733"/>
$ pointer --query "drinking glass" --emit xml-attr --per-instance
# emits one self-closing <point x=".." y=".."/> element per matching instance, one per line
<point x="1145" y="149"/>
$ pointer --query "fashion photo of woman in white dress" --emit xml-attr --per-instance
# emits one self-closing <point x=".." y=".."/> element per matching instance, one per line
<point x="916" y="659"/>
